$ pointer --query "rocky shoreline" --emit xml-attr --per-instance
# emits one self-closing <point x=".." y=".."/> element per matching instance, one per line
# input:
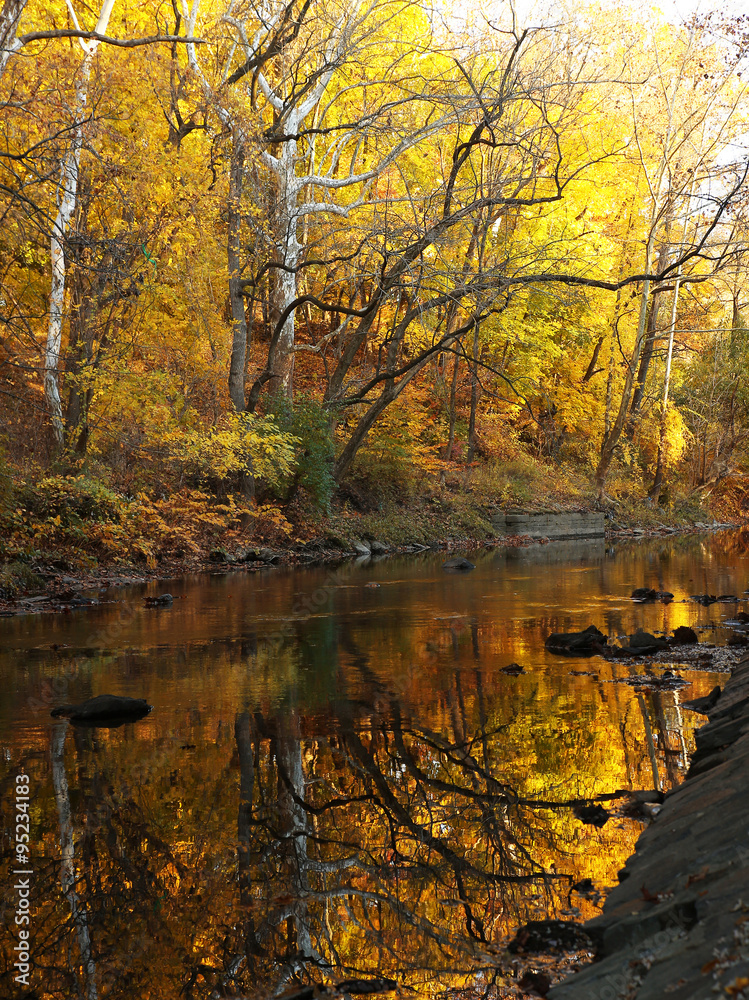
<point x="677" y="925"/>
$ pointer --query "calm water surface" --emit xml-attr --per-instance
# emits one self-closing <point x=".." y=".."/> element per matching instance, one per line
<point x="337" y="779"/>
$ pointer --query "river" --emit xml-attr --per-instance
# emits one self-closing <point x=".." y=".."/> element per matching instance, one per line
<point x="338" y="778"/>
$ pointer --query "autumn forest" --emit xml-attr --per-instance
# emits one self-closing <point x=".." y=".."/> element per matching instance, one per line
<point x="269" y="264"/>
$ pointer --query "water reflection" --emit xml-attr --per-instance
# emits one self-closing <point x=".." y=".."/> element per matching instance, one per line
<point x="347" y="788"/>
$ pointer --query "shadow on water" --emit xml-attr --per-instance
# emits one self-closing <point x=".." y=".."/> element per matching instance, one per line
<point x="338" y="782"/>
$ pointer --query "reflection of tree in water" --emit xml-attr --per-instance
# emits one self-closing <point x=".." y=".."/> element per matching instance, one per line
<point x="300" y="848"/>
<point x="377" y="848"/>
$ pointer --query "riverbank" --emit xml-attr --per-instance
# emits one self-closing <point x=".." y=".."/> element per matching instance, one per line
<point x="82" y="532"/>
<point x="677" y="925"/>
<point x="49" y="582"/>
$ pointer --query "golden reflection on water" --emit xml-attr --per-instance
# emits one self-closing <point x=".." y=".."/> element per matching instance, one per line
<point x="337" y="779"/>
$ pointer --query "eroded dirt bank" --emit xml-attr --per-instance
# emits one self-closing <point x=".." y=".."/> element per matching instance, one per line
<point x="677" y="925"/>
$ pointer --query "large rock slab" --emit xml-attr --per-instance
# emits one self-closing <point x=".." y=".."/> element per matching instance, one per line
<point x="575" y="524"/>
<point x="677" y="926"/>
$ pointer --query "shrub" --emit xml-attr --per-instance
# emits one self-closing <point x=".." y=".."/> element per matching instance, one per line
<point x="17" y="577"/>
<point x="309" y="424"/>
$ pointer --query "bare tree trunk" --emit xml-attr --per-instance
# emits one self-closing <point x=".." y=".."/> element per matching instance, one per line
<point x="652" y="328"/>
<point x="9" y="18"/>
<point x="642" y="372"/>
<point x="611" y="439"/>
<point x="67" y="197"/>
<point x="474" y="394"/>
<point x="453" y="393"/>
<point x="655" y="490"/>
<point x="236" y="298"/>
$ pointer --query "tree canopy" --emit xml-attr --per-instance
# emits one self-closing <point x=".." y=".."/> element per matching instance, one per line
<point x="466" y="237"/>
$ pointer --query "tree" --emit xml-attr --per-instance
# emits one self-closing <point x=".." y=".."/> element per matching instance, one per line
<point x="337" y="110"/>
<point x="673" y="152"/>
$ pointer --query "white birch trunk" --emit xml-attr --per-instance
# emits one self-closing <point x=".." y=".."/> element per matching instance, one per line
<point x="10" y="15"/>
<point x="67" y="196"/>
<point x="288" y="254"/>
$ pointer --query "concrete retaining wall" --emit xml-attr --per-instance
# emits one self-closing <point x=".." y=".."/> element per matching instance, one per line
<point x="566" y="525"/>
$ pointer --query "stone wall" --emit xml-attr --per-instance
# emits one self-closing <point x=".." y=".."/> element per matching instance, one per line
<point x="577" y="524"/>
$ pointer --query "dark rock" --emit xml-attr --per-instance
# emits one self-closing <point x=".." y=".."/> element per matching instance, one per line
<point x="162" y="601"/>
<point x="246" y="555"/>
<point x="743" y="617"/>
<point x="583" y="887"/>
<point x="643" y="594"/>
<point x="703" y="705"/>
<point x="649" y="594"/>
<point x="379" y="548"/>
<point x="737" y="639"/>
<point x="218" y="556"/>
<point x="513" y="669"/>
<point x="361" y="549"/>
<point x="585" y="643"/>
<point x="536" y="982"/>
<point x="641" y="795"/>
<point x="704" y="599"/>
<point x="684" y="636"/>
<point x="82" y="602"/>
<point x="594" y="814"/>
<point x="458" y="565"/>
<point x="269" y="556"/>
<point x="640" y="644"/>
<point x="548" y="936"/>
<point x="105" y="709"/>
<point x="728" y="599"/>
<point x="644" y="642"/>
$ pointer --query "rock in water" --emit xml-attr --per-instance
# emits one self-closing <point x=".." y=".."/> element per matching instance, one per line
<point x="584" y="643"/>
<point x="644" y="594"/>
<point x="703" y="599"/>
<point x="459" y="565"/>
<point x="105" y="709"/>
<point x="684" y="636"/>
<point x="513" y="669"/>
<point x="592" y="813"/>
<point x="162" y="601"/>
<point x="644" y="642"/>
<point x="549" y="936"/>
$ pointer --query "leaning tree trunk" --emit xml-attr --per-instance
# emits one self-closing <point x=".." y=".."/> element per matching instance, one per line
<point x="611" y="439"/>
<point x="652" y="329"/>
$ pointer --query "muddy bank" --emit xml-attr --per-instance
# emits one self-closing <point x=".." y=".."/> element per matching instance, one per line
<point x="677" y="925"/>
